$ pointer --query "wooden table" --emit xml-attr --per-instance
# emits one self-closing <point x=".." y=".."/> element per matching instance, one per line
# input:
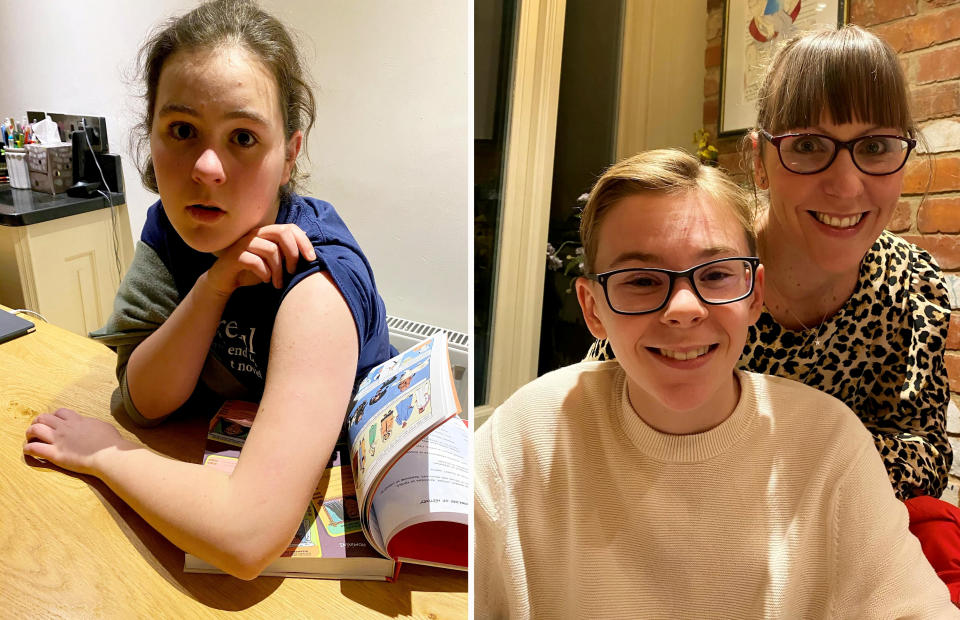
<point x="70" y="548"/>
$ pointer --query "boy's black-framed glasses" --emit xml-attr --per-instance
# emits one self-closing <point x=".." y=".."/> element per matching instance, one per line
<point x="810" y="153"/>
<point x="647" y="289"/>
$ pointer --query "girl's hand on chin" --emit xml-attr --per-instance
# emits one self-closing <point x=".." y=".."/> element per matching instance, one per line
<point x="70" y="440"/>
<point x="260" y="256"/>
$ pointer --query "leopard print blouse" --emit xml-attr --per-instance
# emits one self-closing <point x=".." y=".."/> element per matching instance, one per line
<point x="881" y="354"/>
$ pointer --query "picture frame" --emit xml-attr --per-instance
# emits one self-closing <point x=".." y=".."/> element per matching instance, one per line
<point x="751" y="31"/>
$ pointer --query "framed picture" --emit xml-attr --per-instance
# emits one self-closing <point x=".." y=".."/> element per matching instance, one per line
<point x="752" y="30"/>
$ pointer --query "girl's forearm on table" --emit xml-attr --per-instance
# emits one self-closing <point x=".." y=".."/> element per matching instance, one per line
<point x="199" y="509"/>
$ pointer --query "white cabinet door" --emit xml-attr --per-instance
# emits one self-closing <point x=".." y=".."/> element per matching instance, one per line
<point x="69" y="268"/>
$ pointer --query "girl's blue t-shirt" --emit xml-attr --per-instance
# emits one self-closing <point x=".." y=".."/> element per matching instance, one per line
<point x="242" y="341"/>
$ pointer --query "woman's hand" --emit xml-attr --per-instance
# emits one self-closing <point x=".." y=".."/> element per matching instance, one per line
<point x="260" y="256"/>
<point x="70" y="440"/>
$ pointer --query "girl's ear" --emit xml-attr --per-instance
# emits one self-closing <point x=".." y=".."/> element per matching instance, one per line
<point x="291" y="150"/>
<point x="588" y="304"/>
<point x="759" y="172"/>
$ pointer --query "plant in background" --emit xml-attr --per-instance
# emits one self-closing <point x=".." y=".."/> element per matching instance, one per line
<point x="707" y="153"/>
<point x="569" y="262"/>
<point x="563" y="332"/>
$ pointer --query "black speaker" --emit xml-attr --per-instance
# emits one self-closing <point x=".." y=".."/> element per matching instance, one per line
<point x="85" y="162"/>
<point x="112" y="170"/>
<point x="80" y="151"/>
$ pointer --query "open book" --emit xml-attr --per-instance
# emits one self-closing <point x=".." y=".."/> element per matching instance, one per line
<point x="397" y="486"/>
<point x="409" y="452"/>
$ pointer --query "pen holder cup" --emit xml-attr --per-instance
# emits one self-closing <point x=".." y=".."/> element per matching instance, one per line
<point x="17" y="168"/>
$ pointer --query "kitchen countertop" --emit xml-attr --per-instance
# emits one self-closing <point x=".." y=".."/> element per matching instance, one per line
<point x="22" y="207"/>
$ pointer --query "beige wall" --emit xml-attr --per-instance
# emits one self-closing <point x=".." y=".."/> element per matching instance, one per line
<point x="662" y="72"/>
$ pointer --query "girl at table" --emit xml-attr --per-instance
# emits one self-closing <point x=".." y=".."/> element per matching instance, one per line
<point x="666" y="483"/>
<point x="239" y="286"/>
<point x="851" y="309"/>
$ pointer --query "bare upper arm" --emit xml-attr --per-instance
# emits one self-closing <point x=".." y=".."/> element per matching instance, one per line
<point x="310" y="377"/>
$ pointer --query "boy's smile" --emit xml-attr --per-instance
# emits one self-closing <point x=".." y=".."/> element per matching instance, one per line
<point x="685" y="356"/>
<point x="679" y="360"/>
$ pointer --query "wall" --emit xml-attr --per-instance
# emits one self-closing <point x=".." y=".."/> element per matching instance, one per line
<point x="661" y="75"/>
<point x="926" y="35"/>
<point x="389" y="149"/>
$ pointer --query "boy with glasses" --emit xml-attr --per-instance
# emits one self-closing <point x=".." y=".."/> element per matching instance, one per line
<point x="849" y="307"/>
<point x="665" y="483"/>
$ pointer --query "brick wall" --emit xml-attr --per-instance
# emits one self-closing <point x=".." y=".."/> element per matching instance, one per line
<point x="926" y="35"/>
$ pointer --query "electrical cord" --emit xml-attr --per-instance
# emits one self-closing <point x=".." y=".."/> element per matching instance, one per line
<point x="25" y="311"/>
<point x="113" y="214"/>
<point x="116" y="239"/>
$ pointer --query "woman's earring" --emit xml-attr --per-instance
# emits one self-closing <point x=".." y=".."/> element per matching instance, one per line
<point x="761" y="179"/>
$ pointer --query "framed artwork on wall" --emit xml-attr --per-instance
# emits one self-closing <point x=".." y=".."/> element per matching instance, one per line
<point x="752" y="30"/>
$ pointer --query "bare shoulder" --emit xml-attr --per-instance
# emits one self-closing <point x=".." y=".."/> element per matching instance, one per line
<point x="310" y="377"/>
<point x="315" y="303"/>
<point x="314" y="347"/>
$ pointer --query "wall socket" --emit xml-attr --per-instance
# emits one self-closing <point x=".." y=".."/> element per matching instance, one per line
<point x="68" y="123"/>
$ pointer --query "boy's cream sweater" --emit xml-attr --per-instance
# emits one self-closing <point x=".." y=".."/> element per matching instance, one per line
<point x="782" y="511"/>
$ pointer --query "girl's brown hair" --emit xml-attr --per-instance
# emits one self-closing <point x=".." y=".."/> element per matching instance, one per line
<point x="668" y="171"/>
<point x="227" y="23"/>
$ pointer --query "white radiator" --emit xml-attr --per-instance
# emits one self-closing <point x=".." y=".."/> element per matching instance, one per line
<point x="405" y="333"/>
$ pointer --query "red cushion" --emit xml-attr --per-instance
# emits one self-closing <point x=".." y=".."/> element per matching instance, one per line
<point x="936" y="524"/>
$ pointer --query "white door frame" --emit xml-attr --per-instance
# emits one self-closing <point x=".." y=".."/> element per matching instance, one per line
<point x="525" y="210"/>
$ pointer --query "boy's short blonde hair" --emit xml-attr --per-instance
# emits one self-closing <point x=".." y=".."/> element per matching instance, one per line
<point x="666" y="171"/>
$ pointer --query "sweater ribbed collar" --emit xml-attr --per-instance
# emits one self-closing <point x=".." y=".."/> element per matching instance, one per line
<point x="688" y="448"/>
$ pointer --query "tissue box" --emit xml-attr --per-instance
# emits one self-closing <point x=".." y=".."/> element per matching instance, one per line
<point x="51" y="167"/>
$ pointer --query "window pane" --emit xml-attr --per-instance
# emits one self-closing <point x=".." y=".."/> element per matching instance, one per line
<point x="493" y="67"/>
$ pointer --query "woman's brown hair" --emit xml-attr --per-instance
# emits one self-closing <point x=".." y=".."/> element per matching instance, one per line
<point x="849" y="74"/>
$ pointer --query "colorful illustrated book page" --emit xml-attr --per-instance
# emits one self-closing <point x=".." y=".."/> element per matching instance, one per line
<point x="397" y="486"/>
<point x="409" y="454"/>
